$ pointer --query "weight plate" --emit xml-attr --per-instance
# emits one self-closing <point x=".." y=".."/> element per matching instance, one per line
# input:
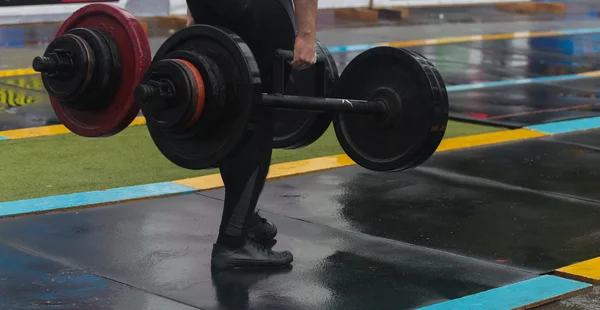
<point x="181" y="85"/>
<point x="77" y="65"/>
<point x="232" y="85"/>
<point x="415" y="121"/>
<point x="296" y="129"/>
<point x="104" y="77"/>
<point x="438" y="87"/>
<point x="132" y="44"/>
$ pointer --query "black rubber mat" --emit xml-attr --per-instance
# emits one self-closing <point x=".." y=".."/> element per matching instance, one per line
<point x="28" y="281"/>
<point x="517" y="105"/>
<point x="545" y="165"/>
<point x="509" y="203"/>
<point x="525" y="105"/>
<point x="164" y="246"/>
<point x="588" y="138"/>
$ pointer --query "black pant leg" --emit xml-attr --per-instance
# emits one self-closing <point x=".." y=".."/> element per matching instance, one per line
<point x="244" y="175"/>
<point x="244" y="172"/>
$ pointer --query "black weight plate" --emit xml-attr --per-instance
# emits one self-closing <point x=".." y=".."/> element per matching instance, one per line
<point x="104" y="73"/>
<point x="296" y="129"/>
<point x="395" y="141"/>
<point x="201" y="149"/>
<point x="171" y="113"/>
<point x="67" y="85"/>
<point x="441" y="99"/>
<point x="113" y="79"/>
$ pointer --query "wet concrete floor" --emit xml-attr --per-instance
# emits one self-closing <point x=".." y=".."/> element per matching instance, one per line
<point x="24" y="103"/>
<point x="361" y="239"/>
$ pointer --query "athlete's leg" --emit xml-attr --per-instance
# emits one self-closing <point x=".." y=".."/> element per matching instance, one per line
<point x="244" y="172"/>
<point x="244" y="175"/>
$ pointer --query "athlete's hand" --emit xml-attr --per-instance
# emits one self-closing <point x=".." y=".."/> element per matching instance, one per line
<point x="190" y="19"/>
<point x="305" y="52"/>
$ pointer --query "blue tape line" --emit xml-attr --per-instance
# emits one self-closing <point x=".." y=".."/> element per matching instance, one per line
<point x="3" y="138"/>
<point x="545" y="79"/>
<point x="350" y="48"/>
<point x="567" y="126"/>
<point x="579" y="31"/>
<point x="515" y="295"/>
<point x="89" y="198"/>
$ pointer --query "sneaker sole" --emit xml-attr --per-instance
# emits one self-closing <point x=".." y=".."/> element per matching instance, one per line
<point x="245" y="264"/>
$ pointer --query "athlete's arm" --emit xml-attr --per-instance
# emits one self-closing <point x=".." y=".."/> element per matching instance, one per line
<point x="306" y="21"/>
<point x="190" y="19"/>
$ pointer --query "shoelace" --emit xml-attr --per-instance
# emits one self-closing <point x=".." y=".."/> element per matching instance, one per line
<point x="260" y="218"/>
<point x="259" y="246"/>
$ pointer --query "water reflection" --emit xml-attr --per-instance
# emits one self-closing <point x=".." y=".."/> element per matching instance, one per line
<point x="23" y="103"/>
<point x="233" y="288"/>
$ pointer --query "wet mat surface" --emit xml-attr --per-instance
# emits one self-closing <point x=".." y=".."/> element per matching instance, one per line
<point x="164" y="245"/>
<point x="547" y="165"/>
<point x="23" y="104"/>
<point x="588" y="138"/>
<point x="479" y="202"/>
<point x="524" y="105"/>
<point x="31" y="282"/>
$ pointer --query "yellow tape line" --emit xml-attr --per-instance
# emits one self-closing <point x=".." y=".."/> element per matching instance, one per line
<point x="337" y="161"/>
<point x="50" y="130"/>
<point x="591" y="74"/>
<point x="488" y="138"/>
<point x="17" y="72"/>
<point x="472" y="38"/>
<point x="588" y="271"/>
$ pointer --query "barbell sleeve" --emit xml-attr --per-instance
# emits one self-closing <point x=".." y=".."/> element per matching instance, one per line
<point x="333" y="105"/>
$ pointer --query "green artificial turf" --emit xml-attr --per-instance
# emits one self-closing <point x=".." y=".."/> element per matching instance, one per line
<point x="62" y="164"/>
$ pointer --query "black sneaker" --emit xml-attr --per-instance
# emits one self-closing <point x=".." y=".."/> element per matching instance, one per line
<point x="260" y="229"/>
<point x="251" y="255"/>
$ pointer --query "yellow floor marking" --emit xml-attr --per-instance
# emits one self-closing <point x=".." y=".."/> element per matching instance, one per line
<point x="488" y="138"/>
<point x="50" y="130"/>
<point x="276" y="171"/>
<point x="34" y="132"/>
<point x="472" y="38"/>
<point x="17" y="72"/>
<point x="337" y="161"/>
<point x="587" y="271"/>
<point x="591" y="74"/>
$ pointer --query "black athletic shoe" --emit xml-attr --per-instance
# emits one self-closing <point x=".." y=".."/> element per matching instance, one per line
<point x="251" y="255"/>
<point x="260" y="229"/>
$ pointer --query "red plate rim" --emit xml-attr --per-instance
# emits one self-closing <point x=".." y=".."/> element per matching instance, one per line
<point x="123" y="109"/>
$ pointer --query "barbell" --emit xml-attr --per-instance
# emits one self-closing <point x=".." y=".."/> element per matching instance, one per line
<point x="201" y="90"/>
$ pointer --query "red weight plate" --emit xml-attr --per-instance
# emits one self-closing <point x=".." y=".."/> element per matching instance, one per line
<point x="201" y="93"/>
<point x="134" y="49"/>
